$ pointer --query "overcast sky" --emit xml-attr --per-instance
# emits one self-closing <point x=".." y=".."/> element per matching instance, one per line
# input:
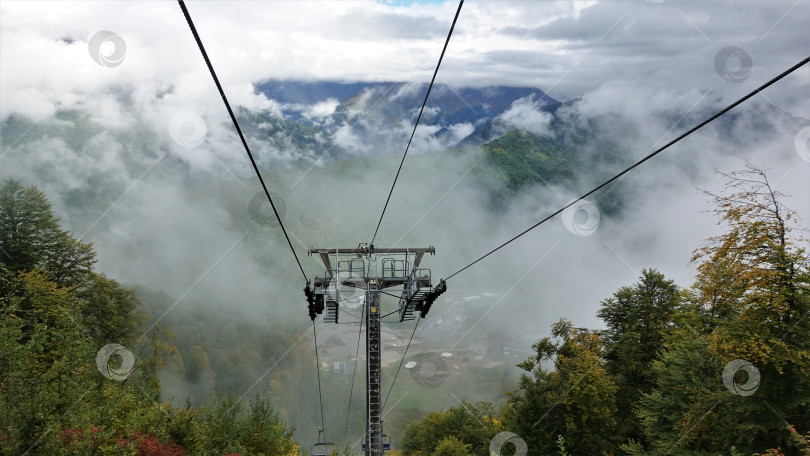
<point x="565" y="48"/>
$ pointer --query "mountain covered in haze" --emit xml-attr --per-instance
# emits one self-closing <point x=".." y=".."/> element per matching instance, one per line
<point x="318" y="123"/>
<point x="379" y="115"/>
<point x="447" y="104"/>
<point x="527" y="137"/>
<point x="315" y="130"/>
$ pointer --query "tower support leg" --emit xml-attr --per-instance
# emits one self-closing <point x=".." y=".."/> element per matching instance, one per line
<point x="374" y="445"/>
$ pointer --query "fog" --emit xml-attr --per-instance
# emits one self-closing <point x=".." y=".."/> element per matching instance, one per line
<point x="167" y="206"/>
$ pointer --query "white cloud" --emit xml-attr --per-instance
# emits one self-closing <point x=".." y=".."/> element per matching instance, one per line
<point x="322" y="109"/>
<point x="429" y="112"/>
<point x="566" y="48"/>
<point x="526" y="114"/>
<point x="346" y="137"/>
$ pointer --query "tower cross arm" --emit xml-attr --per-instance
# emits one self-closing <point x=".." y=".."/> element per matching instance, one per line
<point x="365" y="250"/>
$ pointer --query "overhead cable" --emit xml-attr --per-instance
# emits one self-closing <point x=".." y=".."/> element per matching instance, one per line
<point x="634" y="165"/>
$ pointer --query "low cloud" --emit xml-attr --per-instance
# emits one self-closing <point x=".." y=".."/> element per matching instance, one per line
<point x="322" y="109"/>
<point x="162" y="215"/>
<point x="527" y="114"/>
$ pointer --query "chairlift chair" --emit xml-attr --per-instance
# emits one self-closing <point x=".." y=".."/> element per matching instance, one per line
<point x="386" y="441"/>
<point x="322" y="448"/>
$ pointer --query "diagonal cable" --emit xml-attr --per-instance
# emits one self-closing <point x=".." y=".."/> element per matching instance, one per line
<point x="416" y="124"/>
<point x="400" y="364"/>
<point x="239" y="130"/>
<point x="318" y="368"/>
<point x="634" y="165"/>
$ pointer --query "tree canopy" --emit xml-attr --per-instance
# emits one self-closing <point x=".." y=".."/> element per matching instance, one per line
<point x="56" y="395"/>
<point x="718" y="368"/>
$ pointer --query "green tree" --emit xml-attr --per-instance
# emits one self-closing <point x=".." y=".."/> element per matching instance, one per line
<point x="472" y="425"/>
<point x="56" y="313"/>
<point x="110" y="310"/>
<point x="682" y="406"/>
<point x="576" y="400"/>
<point x="30" y="237"/>
<point x="199" y="374"/>
<point x="228" y="429"/>
<point x="749" y="302"/>
<point x="44" y="355"/>
<point x="637" y="318"/>
<point x="451" y="446"/>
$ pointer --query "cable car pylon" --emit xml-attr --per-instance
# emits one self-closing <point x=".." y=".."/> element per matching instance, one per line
<point x="373" y="269"/>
